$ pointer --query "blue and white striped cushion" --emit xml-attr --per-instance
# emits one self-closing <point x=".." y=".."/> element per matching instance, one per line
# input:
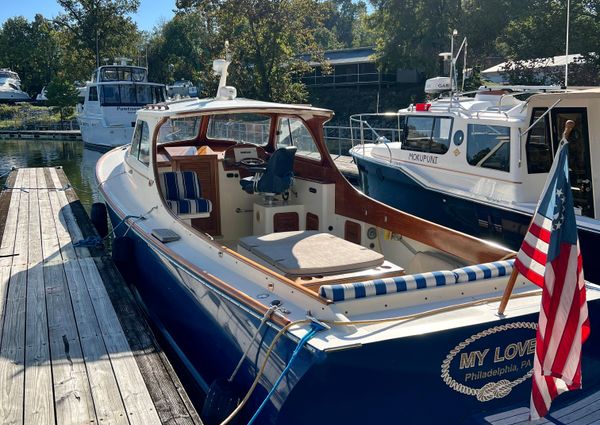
<point x="179" y="185"/>
<point x="346" y="291"/>
<point x="190" y="206"/>
<point x="483" y="271"/>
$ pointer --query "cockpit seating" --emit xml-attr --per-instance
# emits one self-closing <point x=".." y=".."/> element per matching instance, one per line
<point x="183" y="194"/>
<point x="275" y="178"/>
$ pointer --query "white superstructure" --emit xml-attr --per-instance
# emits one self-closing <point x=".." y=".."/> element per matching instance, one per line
<point x="112" y="97"/>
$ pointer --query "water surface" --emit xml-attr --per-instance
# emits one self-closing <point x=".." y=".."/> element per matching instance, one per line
<point x="77" y="161"/>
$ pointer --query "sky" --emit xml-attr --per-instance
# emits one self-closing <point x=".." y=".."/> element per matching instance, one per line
<point x="148" y="15"/>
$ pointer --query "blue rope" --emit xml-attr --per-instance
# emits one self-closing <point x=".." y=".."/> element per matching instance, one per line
<point x="314" y="329"/>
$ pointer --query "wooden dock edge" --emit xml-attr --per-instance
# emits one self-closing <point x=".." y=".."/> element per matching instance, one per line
<point x="172" y="403"/>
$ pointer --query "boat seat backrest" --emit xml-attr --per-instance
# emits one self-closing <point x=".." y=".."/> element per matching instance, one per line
<point x="348" y="291"/>
<point x="183" y="194"/>
<point x="178" y="185"/>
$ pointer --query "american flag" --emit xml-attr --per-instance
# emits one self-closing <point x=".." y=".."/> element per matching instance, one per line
<point x="550" y="258"/>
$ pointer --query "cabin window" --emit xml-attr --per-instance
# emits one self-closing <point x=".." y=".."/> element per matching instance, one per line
<point x="539" y="144"/>
<point x="131" y="94"/>
<point x="488" y="146"/>
<point x="140" y="144"/>
<point x="93" y="97"/>
<point x="293" y="132"/>
<point x="177" y="129"/>
<point x="241" y="128"/>
<point x="427" y="134"/>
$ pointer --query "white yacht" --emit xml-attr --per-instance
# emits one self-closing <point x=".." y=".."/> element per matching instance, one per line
<point x="112" y="97"/>
<point x="10" y="87"/>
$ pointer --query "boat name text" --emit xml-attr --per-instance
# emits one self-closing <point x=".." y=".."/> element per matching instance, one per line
<point x="424" y="158"/>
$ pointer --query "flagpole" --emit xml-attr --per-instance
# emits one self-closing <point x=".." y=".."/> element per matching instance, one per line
<point x="567" y="45"/>
<point x="569" y="125"/>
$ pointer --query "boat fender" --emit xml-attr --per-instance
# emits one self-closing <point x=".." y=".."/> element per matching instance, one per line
<point x="122" y="249"/>
<point x="99" y="218"/>
<point x="221" y="399"/>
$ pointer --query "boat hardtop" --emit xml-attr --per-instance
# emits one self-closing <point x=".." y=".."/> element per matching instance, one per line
<point x="236" y="211"/>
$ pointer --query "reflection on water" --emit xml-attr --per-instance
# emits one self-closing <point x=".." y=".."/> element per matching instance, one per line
<point x="78" y="162"/>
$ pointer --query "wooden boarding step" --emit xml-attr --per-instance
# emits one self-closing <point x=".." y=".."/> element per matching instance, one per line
<point x="74" y="347"/>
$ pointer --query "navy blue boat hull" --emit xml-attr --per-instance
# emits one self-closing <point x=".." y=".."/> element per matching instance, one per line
<point x="397" y="381"/>
<point x="506" y="227"/>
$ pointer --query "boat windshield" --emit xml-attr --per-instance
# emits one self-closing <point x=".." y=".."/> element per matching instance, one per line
<point x="241" y="128"/>
<point x="123" y="73"/>
<point x="5" y="75"/>
<point x="131" y="94"/>
<point x="178" y="129"/>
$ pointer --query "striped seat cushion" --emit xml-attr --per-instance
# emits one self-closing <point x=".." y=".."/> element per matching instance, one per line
<point x="484" y="271"/>
<point x="178" y="185"/>
<point x="190" y="206"/>
<point x="346" y="291"/>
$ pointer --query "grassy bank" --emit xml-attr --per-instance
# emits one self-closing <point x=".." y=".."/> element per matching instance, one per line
<point x="26" y="116"/>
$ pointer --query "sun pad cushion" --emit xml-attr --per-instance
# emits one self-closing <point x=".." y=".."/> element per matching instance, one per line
<point x="308" y="252"/>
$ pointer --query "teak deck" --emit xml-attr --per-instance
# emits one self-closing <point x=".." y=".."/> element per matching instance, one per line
<point x="74" y="348"/>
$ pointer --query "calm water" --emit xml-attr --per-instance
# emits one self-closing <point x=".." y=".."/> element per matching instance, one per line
<point x="78" y="162"/>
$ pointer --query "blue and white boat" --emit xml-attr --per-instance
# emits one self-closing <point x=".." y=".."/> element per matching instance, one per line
<point x="478" y="163"/>
<point x="230" y="213"/>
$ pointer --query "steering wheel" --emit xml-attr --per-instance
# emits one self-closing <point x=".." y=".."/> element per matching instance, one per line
<point x="252" y="162"/>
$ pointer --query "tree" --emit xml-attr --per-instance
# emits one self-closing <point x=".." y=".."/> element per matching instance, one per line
<point x="61" y="94"/>
<point x="99" y="28"/>
<point x="31" y="49"/>
<point x="266" y="37"/>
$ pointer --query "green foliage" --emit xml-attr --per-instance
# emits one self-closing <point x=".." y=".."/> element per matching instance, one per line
<point x="31" y="50"/>
<point x="94" y="30"/>
<point x="61" y="94"/>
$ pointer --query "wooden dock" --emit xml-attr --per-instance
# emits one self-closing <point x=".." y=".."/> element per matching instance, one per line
<point x="41" y="134"/>
<point x="74" y="347"/>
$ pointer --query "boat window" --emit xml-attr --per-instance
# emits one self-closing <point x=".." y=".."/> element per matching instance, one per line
<point x="131" y="94"/>
<point x="488" y="146"/>
<point x="93" y="96"/>
<point x="241" y="128"/>
<point x="539" y="144"/>
<point x="427" y="134"/>
<point x="138" y="75"/>
<point x="135" y="141"/>
<point x="177" y="129"/>
<point x="144" y="154"/>
<point x="293" y="132"/>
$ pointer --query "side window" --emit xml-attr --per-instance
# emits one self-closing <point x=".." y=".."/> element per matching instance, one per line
<point x="93" y="94"/>
<point x="140" y="144"/>
<point x="488" y="146"/>
<point x="539" y="145"/>
<point x="135" y="141"/>
<point x="293" y="132"/>
<point x="144" y="155"/>
<point x="427" y="134"/>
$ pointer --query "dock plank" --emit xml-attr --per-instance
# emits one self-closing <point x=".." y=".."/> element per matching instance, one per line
<point x="12" y="350"/>
<point x="72" y="392"/>
<point x="39" y="400"/>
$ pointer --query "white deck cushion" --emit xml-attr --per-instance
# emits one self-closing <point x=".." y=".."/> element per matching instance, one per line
<point x="308" y="252"/>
